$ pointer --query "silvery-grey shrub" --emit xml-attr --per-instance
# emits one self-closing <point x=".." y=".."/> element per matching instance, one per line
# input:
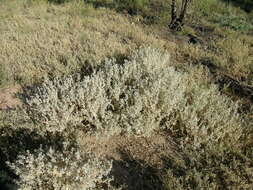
<point x="115" y="98"/>
<point x="60" y="170"/>
<point x="144" y="94"/>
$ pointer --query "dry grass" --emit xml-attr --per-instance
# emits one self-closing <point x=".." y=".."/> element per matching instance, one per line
<point x="232" y="53"/>
<point x="58" y="39"/>
<point x="236" y="55"/>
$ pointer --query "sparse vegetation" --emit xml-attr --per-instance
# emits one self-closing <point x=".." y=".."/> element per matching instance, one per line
<point x="234" y="22"/>
<point x="103" y="80"/>
<point x="209" y="168"/>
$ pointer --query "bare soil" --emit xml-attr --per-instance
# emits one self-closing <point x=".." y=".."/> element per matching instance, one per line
<point x="8" y="98"/>
<point x="137" y="161"/>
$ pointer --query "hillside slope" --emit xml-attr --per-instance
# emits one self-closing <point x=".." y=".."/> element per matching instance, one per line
<point x="102" y="95"/>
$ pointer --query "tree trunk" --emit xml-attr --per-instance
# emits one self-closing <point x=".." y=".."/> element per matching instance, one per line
<point x="178" y="21"/>
<point x="173" y="11"/>
<point x="183" y="10"/>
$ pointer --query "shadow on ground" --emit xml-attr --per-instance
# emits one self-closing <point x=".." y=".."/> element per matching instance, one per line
<point x="246" y="5"/>
<point x="135" y="174"/>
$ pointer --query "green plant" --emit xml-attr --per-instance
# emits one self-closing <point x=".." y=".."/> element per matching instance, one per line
<point x="234" y="22"/>
<point x="206" y="7"/>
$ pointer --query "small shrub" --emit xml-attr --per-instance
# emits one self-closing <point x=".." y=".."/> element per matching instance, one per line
<point x="69" y="169"/>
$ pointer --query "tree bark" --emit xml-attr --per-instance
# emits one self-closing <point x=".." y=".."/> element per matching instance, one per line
<point x="173" y="10"/>
<point x="178" y="21"/>
<point x="183" y="10"/>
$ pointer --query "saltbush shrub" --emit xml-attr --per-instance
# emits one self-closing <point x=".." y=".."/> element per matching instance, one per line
<point x="139" y="96"/>
<point x="115" y="98"/>
<point x="60" y="170"/>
